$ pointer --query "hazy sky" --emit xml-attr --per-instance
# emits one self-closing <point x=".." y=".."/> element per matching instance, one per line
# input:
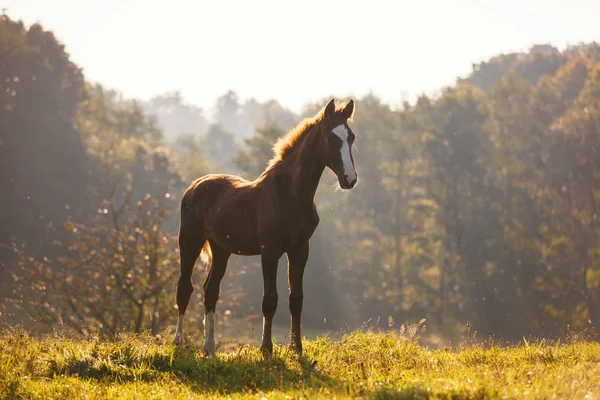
<point x="298" y="51"/>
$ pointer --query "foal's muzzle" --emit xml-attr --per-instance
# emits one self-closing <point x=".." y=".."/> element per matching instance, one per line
<point x="347" y="184"/>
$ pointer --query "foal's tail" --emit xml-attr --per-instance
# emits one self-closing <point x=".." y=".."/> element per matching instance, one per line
<point x="188" y="217"/>
<point x="206" y="254"/>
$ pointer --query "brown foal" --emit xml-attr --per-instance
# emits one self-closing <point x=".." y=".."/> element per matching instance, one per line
<point x="274" y="214"/>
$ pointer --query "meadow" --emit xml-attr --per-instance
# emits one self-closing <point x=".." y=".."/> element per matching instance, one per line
<point x="361" y="364"/>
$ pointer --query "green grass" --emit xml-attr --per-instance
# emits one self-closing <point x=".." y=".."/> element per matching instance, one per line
<point x="361" y="364"/>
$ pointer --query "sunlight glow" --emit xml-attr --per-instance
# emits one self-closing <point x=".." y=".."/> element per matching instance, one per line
<point x="296" y="52"/>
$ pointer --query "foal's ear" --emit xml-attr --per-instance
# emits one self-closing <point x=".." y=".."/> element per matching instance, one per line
<point x="329" y="109"/>
<point x="349" y="109"/>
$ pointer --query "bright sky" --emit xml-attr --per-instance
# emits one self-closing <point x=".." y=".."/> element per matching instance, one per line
<point x="298" y="51"/>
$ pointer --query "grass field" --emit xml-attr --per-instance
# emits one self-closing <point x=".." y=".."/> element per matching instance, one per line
<point x="360" y="364"/>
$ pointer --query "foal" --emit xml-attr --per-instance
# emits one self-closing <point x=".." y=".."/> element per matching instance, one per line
<point x="275" y="214"/>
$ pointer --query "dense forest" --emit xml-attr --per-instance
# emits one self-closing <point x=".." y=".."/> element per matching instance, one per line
<point x="475" y="206"/>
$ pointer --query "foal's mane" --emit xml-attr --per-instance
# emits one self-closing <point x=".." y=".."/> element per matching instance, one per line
<point x="285" y="144"/>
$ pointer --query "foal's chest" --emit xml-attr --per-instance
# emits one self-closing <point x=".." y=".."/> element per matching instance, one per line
<point x="301" y="225"/>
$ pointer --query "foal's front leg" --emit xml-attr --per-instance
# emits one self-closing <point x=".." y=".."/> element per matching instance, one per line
<point x="296" y="263"/>
<point x="212" y="284"/>
<point x="270" y="298"/>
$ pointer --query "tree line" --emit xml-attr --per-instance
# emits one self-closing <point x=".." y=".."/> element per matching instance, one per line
<point x="477" y="205"/>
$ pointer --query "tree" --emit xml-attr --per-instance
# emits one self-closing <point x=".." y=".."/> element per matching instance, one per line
<point x="229" y="116"/>
<point x="111" y="275"/>
<point x="220" y="146"/>
<point x="175" y="117"/>
<point x="254" y="159"/>
<point x="193" y="162"/>
<point x="43" y="163"/>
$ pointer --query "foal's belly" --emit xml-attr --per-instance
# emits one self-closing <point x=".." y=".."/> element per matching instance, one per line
<point x="237" y="245"/>
<point x="235" y="233"/>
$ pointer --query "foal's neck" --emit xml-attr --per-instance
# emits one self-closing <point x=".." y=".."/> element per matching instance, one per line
<point x="305" y="167"/>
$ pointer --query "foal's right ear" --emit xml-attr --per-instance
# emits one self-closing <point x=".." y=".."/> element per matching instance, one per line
<point x="329" y="109"/>
<point x="349" y="109"/>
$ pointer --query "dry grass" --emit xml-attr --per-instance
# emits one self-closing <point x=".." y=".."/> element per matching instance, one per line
<point x="360" y="364"/>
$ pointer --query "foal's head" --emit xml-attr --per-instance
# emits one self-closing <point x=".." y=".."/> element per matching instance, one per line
<point x="338" y="139"/>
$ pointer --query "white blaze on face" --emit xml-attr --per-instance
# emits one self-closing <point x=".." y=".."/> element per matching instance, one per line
<point x="209" y="332"/>
<point x="342" y="132"/>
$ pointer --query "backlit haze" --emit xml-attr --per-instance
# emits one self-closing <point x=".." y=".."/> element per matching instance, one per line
<point x="298" y="52"/>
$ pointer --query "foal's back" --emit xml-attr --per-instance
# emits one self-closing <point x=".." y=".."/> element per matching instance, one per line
<point x="226" y="208"/>
<point x="209" y="189"/>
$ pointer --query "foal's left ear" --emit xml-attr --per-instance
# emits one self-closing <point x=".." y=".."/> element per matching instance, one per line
<point x="349" y="109"/>
<point x="329" y="109"/>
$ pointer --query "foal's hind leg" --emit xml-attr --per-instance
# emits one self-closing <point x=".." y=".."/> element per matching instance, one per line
<point x="296" y="263"/>
<point x="270" y="297"/>
<point x="189" y="249"/>
<point x="212" y="286"/>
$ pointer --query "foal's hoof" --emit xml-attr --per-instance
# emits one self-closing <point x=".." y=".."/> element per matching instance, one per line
<point x="178" y="340"/>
